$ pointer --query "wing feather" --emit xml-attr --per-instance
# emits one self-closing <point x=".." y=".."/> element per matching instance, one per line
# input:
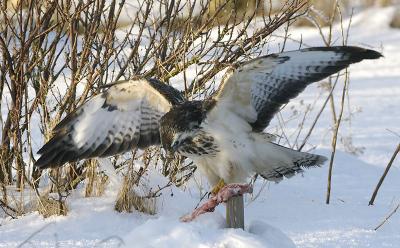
<point x="257" y="89"/>
<point x="125" y="116"/>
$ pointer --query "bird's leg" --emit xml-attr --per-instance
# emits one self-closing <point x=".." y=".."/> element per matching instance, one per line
<point x="218" y="187"/>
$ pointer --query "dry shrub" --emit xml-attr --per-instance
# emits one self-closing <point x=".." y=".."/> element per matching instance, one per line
<point x="54" y="59"/>
<point x="242" y="8"/>
<point x="395" y="23"/>
<point x="48" y="206"/>
<point x="322" y="13"/>
<point x="96" y="182"/>
<point x="81" y="50"/>
<point x="128" y="199"/>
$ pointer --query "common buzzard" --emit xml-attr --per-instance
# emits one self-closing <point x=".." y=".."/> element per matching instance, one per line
<point x="223" y="134"/>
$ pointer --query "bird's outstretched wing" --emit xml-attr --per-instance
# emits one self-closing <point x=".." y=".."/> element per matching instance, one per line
<point x="123" y="117"/>
<point x="257" y="89"/>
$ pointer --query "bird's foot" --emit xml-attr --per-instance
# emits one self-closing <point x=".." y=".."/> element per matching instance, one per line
<point x="218" y="187"/>
<point x="224" y="194"/>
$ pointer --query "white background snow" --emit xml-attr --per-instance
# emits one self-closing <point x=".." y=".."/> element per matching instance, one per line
<point x="289" y="214"/>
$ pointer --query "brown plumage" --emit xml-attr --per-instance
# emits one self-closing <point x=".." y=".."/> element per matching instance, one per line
<point x="222" y="134"/>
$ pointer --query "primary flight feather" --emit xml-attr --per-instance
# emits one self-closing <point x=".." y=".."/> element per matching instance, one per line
<point x="223" y="135"/>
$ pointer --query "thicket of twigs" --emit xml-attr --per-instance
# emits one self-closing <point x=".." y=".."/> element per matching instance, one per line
<point x="57" y="54"/>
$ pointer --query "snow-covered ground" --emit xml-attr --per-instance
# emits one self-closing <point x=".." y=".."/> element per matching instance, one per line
<point x="289" y="214"/>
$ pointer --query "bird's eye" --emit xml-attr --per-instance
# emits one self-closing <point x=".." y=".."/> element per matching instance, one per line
<point x="175" y="144"/>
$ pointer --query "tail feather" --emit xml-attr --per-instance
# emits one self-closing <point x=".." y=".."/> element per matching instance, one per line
<point x="287" y="162"/>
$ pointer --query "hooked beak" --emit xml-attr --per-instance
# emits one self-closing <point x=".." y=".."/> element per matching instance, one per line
<point x="175" y="146"/>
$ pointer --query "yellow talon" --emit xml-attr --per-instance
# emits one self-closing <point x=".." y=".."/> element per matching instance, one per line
<point x="218" y="187"/>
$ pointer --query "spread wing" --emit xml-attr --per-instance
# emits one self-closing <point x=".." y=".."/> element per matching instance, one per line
<point x="123" y="117"/>
<point x="257" y="89"/>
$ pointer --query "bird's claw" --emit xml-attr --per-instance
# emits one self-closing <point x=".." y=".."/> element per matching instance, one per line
<point x="218" y="187"/>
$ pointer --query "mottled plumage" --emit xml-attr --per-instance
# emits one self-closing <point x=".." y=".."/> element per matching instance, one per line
<point x="124" y="117"/>
<point x="222" y="135"/>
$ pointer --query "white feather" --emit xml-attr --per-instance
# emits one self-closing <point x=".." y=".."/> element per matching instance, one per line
<point x="95" y="122"/>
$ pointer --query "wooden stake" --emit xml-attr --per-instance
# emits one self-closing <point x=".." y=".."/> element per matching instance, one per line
<point x="235" y="212"/>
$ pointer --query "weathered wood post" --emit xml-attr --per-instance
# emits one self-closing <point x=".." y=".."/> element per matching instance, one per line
<point x="235" y="212"/>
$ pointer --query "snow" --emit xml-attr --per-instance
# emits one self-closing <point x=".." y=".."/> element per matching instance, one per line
<point x="292" y="213"/>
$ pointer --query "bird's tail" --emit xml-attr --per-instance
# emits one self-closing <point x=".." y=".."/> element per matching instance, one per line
<point x="285" y="162"/>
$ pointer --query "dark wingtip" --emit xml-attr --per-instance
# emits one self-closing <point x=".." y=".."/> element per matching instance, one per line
<point x="50" y="154"/>
<point x="370" y="54"/>
<point x="46" y="161"/>
<point x="56" y="157"/>
<point x="358" y="53"/>
<point x="41" y="164"/>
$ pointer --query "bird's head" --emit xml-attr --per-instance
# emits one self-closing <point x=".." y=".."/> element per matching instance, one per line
<point x="180" y="125"/>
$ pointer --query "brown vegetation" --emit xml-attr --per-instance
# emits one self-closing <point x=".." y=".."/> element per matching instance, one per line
<point x="57" y="54"/>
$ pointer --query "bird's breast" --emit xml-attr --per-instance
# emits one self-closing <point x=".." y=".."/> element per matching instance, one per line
<point x="201" y="144"/>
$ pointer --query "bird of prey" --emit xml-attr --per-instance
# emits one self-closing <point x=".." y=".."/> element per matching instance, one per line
<point x="223" y="135"/>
